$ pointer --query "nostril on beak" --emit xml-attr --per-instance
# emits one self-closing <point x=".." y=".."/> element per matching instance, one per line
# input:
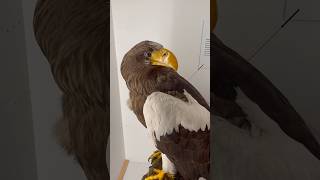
<point x="165" y="54"/>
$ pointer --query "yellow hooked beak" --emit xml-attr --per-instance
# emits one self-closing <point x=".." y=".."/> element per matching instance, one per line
<point x="164" y="57"/>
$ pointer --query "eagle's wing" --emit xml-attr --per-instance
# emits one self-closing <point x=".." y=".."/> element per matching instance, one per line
<point x="180" y="131"/>
<point x="230" y="71"/>
<point x="159" y="79"/>
<point x="169" y="80"/>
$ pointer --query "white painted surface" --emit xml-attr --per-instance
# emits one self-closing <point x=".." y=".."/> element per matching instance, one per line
<point x="117" y="155"/>
<point x="309" y="9"/>
<point x="136" y="170"/>
<point x="175" y="24"/>
<point x="17" y="152"/>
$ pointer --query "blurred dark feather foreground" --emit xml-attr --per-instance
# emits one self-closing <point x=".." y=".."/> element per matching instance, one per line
<point x="258" y="134"/>
<point x="74" y="37"/>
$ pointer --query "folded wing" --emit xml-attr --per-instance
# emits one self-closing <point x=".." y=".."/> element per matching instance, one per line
<point x="180" y="130"/>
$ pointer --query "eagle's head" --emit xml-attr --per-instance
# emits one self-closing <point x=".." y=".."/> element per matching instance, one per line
<point x="145" y="55"/>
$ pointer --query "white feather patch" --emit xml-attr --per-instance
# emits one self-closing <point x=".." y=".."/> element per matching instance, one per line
<point x="167" y="165"/>
<point x="164" y="113"/>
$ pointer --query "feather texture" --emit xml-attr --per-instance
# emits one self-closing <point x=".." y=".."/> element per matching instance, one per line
<point x="180" y="130"/>
<point x="164" y="114"/>
<point x="74" y="37"/>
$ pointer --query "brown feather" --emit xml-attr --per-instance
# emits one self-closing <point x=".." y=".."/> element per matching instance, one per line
<point x="74" y="37"/>
<point x="189" y="151"/>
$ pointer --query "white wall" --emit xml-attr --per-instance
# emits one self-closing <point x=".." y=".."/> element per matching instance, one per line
<point x="117" y="155"/>
<point x="175" y="24"/>
<point x="17" y="152"/>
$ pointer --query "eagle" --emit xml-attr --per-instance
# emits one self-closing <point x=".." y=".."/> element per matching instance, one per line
<point x="175" y="114"/>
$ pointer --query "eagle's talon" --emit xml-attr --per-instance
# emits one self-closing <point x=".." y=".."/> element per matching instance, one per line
<point x="155" y="156"/>
<point x="160" y="175"/>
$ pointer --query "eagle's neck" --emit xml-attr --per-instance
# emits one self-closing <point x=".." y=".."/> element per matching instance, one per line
<point x="143" y="82"/>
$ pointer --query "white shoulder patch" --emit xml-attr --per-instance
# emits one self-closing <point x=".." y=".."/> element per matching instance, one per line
<point x="164" y="113"/>
<point x="167" y="165"/>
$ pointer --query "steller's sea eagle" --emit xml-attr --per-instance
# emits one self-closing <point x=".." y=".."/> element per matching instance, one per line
<point x="174" y="112"/>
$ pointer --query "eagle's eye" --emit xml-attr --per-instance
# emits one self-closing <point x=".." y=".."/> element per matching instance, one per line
<point x="147" y="54"/>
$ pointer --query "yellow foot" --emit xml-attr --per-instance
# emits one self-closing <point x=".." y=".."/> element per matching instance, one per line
<point x="155" y="156"/>
<point x="160" y="175"/>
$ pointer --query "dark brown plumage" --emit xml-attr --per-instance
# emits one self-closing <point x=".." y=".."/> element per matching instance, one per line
<point x="74" y="37"/>
<point x="189" y="151"/>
